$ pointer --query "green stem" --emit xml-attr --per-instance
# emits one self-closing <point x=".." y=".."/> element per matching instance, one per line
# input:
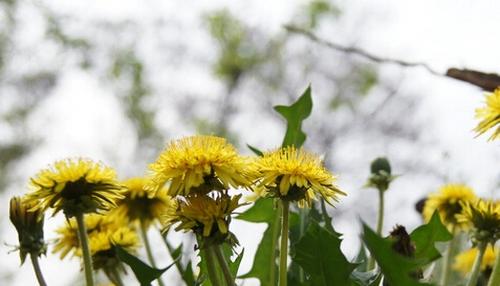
<point x="177" y="261"/>
<point x="445" y="272"/>
<point x="36" y="267"/>
<point x="223" y="264"/>
<point x="495" y="274"/>
<point x="275" y="233"/>
<point x="303" y="216"/>
<point x="114" y="276"/>
<point x="476" y="267"/>
<point x="144" y="234"/>
<point x="380" y="224"/>
<point x="212" y="273"/>
<point x="84" y="243"/>
<point x="284" y="243"/>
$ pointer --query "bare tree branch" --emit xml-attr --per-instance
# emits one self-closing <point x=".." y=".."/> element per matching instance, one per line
<point x="358" y="51"/>
<point x="486" y="81"/>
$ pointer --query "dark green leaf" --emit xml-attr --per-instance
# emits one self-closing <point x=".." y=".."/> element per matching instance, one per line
<point x="425" y="238"/>
<point x="395" y="267"/>
<point x="264" y="265"/>
<point x="255" y="150"/>
<point x="294" y="115"/>
<point x="319" y="254"/>
<point x="144" y="273"/>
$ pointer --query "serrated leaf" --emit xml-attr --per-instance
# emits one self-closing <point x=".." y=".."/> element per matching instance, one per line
<point x="319" y="254"/>
<point x="426" y="236"/>
<point x="294" y="115"/>
<point x="144" y="273"/>
<point x="395" y="267"/>
<point x="264" y="265"/>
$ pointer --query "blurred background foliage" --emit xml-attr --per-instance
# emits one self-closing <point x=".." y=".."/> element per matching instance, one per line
<point x="360" y="108"/>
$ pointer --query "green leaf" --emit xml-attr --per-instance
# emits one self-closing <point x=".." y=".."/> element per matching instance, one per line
<point x="395" y="267"/>
<point x="264" y="265"/>
<point x="255" y="150"/>
<point x="426" y="236"/>
<point x="143" y="272"/>
<point x="187" y="271"/>
<point x="294" y="115"/>
<point x="319" y="254"/>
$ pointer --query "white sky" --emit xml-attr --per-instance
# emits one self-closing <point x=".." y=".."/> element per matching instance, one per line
<point x="82" y="117"/>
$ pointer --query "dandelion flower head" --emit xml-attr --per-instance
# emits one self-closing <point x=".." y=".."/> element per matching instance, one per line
<point x="465" y="260"/>
<point x="448" y="202"/>
<point x="490" y="115"/>
<point x="75" y="186"/>
<point x="198" y="164"/>
<point x="140" y="205"/>
<point x="295" y="175"/>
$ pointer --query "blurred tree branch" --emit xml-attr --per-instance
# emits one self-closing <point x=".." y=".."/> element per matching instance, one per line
<point x="486" y="81"/>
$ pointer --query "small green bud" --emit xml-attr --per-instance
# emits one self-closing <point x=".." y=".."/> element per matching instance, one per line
<point x="380" y="164"/>
<point x="380" y="177"/>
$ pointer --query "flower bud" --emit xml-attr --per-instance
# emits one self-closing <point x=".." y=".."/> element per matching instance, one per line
<point x="29" y="226"/>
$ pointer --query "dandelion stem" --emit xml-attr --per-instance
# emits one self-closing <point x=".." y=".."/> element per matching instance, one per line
<point x="116" y="277"/>
<point x="223" y="264"/>
<point x="177" y="261"/>
<point x="84" y="243"/>
<point x="149" y="252"/>
<point x="38" y="270"/>
<point x="495" y="274"/>
<point x="284" y="243"/>
<point x="445" y="273"/>
<point x="275" y="234"/>
<point x="476" y="267"/>
<point x="380" y="224"/>
<point x="212" y="273"/>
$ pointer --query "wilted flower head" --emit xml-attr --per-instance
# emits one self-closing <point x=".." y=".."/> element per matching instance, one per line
<point x="489" y="115"/>
<point x="198" y="164"/>
<point x="206" y="215"/>
<point x="483" y="217"/>
<point x="448" y="202"/>
<point x="295" y="175"/>
<point x="75" y="186"/>
<point x="139" y="205"/>
<point x="29" y="226"/>
<point x="465" y="260"/>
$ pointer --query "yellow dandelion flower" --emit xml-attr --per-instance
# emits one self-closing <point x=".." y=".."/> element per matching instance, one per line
<point x="295" y="175"/>
<point x="75" y="186"/>
<point x="102" y="246"/>
<point x="447" y="201"/>
<point x="483" y="217"/>
<point x="489" y="115"/>
<point x="203" y="214"/>
<point x="198" y="164"/>
<point x="139" y="205"/>
<point x="465" y="260"/>
<point x="67" y="241"/>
